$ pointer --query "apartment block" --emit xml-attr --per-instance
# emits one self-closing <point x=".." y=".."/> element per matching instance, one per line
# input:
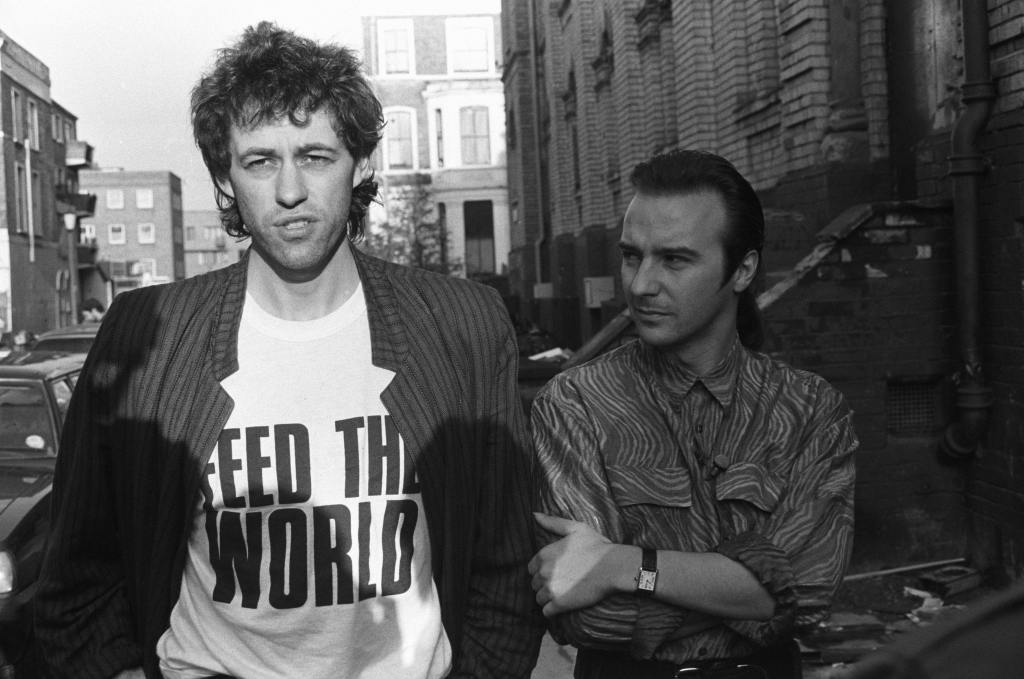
<point x="138" y="228"/>
<point x="207" y="245"/>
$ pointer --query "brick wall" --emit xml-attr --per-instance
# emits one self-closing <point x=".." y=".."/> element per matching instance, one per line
<point x="875" y="319"/>
<point x="996" y="490"/>
<point x="995" y="478"/>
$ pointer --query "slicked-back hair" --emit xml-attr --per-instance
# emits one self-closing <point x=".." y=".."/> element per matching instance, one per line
<point x="272" y="74"/>
<point x="685" y="171"/>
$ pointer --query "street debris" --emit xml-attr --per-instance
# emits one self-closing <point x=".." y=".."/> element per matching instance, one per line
<point x="874" y="609"/>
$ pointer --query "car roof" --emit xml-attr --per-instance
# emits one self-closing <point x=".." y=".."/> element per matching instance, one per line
<point x="79" y="330"/>
<point x="39" y="364"/>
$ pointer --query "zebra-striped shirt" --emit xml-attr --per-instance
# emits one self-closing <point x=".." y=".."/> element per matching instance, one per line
<point x="753" y="460"/>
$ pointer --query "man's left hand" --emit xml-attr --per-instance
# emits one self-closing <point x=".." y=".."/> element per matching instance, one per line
<point x="580" y="569"/>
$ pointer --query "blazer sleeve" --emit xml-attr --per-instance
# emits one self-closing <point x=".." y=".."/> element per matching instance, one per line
<point x="503" y="626"/>
<point x="83" y="620"/>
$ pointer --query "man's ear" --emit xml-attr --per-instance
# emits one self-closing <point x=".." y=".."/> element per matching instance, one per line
<point x="362" y="172"/>
<point x="225" y="187"/>
<point x="745" y="272"/>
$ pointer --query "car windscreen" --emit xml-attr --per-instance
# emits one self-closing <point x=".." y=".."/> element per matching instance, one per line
<point x="26" y="427"/>
<point x="70" y="345"/>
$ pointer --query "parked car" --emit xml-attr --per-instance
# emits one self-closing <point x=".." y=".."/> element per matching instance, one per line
<point x="35" y="390"/>
<point x="76" y="339"/>
<point x="16" y="341"/>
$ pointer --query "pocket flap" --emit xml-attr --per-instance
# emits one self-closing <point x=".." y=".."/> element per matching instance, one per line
<point x="662" y="486"/>
<point x="749" y="482"/>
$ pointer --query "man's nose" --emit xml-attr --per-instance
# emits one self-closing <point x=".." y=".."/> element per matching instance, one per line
<point x="644" y="281"/>
<point x="291" y="186"/>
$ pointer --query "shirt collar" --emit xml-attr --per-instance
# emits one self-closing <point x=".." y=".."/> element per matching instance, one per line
<point x="677" y="381"/>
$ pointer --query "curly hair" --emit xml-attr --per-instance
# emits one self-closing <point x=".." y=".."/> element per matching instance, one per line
<point x="271" y="73"/>
<point x="690" y="171"/>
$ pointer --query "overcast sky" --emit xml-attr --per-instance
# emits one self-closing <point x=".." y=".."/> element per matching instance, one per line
<point x="126" y="67"/>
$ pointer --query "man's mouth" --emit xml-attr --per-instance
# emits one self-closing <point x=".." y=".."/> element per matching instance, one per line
<point x="294" y="223"/>
<point x="647" y="312"/>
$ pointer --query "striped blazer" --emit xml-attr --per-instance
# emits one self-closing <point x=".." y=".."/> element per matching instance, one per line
<point x="147" y="413"/>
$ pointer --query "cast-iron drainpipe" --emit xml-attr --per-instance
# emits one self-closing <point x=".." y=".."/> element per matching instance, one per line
<point x="538" y="243"/>
<point x="966" y="164"/>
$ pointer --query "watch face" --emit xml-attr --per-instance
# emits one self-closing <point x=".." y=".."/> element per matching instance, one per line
<point x="646" y="580"/>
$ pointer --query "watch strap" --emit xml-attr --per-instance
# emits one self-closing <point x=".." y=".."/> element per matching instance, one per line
<point x="649" y="560"/>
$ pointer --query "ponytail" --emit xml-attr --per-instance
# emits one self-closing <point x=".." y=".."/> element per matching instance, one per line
<point x="749" y="322"/>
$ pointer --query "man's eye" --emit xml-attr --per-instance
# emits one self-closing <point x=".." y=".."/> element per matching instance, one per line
<point x="257" y="163"/>
<point x="675" y="261"/>
<point x="317" y="160"/>
<point x="630" y="257"/>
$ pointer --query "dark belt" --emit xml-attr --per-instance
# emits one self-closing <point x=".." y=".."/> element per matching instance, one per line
<point x="781" y="661"/>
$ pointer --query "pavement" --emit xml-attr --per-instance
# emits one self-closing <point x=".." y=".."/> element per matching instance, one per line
<point x="554" y="662"/>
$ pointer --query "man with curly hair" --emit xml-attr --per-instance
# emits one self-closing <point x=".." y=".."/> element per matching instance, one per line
<point x="310" y="463"/>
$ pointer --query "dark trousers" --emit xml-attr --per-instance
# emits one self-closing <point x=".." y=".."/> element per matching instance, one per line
<point x="781" y="661"/>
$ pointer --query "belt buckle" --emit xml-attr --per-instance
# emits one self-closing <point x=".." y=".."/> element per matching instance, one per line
<point x="692" y="672"/>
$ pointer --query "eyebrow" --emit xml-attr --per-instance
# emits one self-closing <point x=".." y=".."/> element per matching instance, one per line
<point x="679" y="251"/>
<point x="304" y="149"/>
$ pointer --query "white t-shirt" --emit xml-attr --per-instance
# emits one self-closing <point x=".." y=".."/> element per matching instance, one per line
<point x="309" y="556"/>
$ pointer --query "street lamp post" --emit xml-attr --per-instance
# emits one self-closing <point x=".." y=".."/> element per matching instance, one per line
<point x="70" y="226"/>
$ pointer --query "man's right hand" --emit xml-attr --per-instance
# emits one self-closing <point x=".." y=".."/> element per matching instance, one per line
<point x="581" y="568"/>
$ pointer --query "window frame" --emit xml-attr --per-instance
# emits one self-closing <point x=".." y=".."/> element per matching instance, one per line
<point x="117" y="204"/>
<point x="396" y="24"/>
<point x="33" y="123"/>
<point x="151" y="239"/>
<point x="476" y="138"/>
<point x="21" y="199"/>
<point x="17" y="116"/>
<point x="139" y="202"/>
<point x="123" y="239"/>
<point x="453" y="26"/>
<point x="387" y="140"/>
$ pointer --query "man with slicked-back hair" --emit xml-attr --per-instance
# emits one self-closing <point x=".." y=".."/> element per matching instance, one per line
<point x="696" y="495"/>
<point x="311" y="463"/>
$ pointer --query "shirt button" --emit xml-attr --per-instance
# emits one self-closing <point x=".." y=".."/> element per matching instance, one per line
<point x="721" y="461"/>
<point x="700" y="428"/>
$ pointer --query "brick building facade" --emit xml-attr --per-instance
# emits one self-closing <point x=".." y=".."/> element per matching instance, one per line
<point x="40" y="156"/>
<point x="844" y="114"/>
<point x="138" y="226"/>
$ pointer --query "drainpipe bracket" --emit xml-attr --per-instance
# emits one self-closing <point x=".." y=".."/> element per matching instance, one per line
<point x="967" y="164"/>
<point x="983" y="90"/>
<point x="974" y="397"/>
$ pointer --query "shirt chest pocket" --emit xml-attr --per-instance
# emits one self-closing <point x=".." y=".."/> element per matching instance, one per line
<point x="749" y="493"/>
<point x="657" y="486"/>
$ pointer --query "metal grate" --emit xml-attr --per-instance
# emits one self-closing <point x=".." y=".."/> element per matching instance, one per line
<point x="912" y="408"/>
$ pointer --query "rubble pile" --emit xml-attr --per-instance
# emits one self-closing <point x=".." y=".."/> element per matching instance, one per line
<point x="872" y="610"/>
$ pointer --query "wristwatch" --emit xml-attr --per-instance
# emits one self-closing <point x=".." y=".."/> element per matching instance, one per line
<point x="647" y="578"/>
